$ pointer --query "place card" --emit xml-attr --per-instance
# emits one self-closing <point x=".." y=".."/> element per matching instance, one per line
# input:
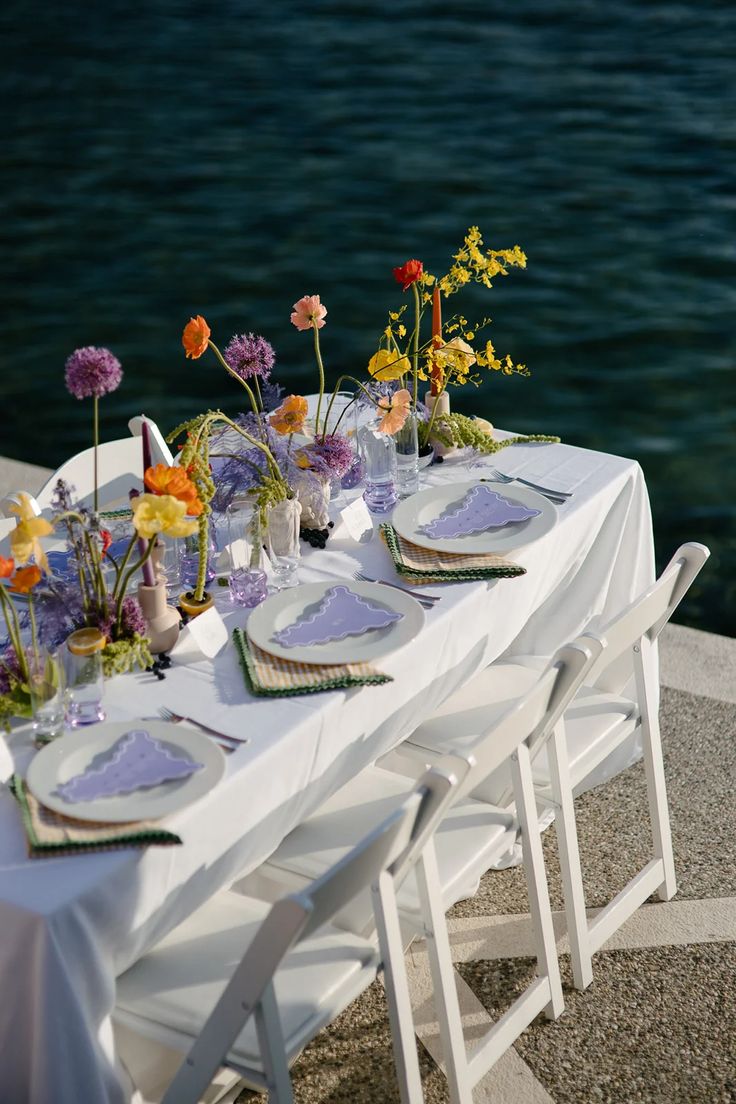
<point x="208" y="632"/>
<point x="358" y="521"/>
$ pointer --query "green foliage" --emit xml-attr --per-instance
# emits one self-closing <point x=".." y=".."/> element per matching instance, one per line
<point x="459" y="431"/>
<point x="125" y="654"/>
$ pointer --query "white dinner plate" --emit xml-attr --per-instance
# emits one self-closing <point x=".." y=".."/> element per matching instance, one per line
<point x="71" y="754"/>
<point x="284" y="608"/>
<point x="418" y="510"/>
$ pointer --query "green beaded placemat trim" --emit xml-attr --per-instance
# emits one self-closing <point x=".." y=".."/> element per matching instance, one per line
<point x="279" y="678"/>
<point x="75" y="836"/>
<point x="438" y="574"/>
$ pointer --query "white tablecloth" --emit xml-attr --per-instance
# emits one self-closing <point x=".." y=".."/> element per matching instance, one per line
<point x="68" y="926"/>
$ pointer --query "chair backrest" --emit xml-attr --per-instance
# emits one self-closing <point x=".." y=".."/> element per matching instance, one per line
<point x="119" y="468"/>
<point x="293" y="919"/>
<point x="530" y="719"/>
<point x="160" y="451"/>
<point x="649" y="613"/>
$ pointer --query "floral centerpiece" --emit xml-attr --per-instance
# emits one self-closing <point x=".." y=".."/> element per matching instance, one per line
<point x="445" y="358"/>
<point x="248" y="359"/>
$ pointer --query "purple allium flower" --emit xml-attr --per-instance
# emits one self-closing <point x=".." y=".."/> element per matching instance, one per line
<point x="250" y="355"/>
<point x="132" y="619"/>
<point x="9" y="670"/>
<point x="330" y="455"/>
<point x="91" y="371"/>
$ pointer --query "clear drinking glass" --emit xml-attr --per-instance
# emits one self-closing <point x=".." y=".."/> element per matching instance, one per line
<point x="46" y="685"/>
<point x="379" y="458"/>
<point x="407" y="457"/>
<point x="84" y="679"/>
<point x="282" y="541"/>
<point x="248" y="583"/>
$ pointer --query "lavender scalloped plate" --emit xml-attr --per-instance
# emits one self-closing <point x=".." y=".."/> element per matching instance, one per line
<point x="72" y="754"/>
<point x="282" y="616"/>
<point x="415" y="515"/>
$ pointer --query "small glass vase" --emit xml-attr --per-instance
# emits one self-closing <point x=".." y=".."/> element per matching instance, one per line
<point x="282" y="541"/>
<point x="46" y="687"/>
<point x="189" y="558"/>
<point x="407" y="457"/>
<point x="248" y="582"/>
<point x="379" y="458"/>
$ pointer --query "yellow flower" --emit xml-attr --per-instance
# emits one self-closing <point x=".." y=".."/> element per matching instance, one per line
<point x="385" y="365"/>
<point x="165" y="514"/>
<point x="456" y="356"/>
<point x="24" y="539"/>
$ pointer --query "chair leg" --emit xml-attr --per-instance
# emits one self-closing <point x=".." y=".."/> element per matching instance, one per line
<point x="654" y="768"/>
<point x="536" y="879"/>
<point x="397" y="991"/>
<point x="273" y="1049"/>
<point x="446" y="1001"/>
<point x="569" y="854"/>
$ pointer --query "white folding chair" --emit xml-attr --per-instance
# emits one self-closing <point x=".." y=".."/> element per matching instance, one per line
<point x="460" y="851"/>
<point x="290" y="971"/>
<point x="603" y="715"/>
<point x="119" y="469"/>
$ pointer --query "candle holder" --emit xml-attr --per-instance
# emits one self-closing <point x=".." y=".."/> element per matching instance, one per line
<point x="162" y="620"/>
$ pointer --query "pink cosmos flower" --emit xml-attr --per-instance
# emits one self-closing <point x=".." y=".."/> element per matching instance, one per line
<point x="309" y="313"/>
<point x="397" y="409"/>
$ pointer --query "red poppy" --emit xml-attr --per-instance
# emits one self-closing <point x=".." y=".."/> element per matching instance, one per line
<point x="7" y="567"/>
<point x="409" y="273"/>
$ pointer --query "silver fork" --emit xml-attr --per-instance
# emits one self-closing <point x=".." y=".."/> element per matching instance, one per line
<point x="175" y="718"/>
<point x="427" y="600"/>
<point x="548" y="492"/>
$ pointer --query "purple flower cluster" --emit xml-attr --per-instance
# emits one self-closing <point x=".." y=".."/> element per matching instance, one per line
<point x="92" y="372"/>
<point x="9" y="670"/>
<point x="132" y="619"/>
<point x="250" y="355"/>
<point x="243" y="471"/>
<point x="330" y="455"/>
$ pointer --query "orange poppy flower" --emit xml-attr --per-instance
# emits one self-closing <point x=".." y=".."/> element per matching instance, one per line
<point x="25" y="579"/>
<point x="289" y="417"/>
<point x="163" y="480"/>
<point x="196" y="336"/>
<point x="7" y="567"/>
<point x="397" y="411"/>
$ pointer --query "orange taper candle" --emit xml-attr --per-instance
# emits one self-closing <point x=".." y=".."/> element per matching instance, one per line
<point x="436" y="335"/>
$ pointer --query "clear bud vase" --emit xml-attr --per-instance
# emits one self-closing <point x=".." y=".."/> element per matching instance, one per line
<point x="407" y="457"/>
<point x="282" y="541"/>
<point x="379" y="459"/>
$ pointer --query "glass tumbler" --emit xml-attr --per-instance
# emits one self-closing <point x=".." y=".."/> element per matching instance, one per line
<point x="46" y="686"/>
<point x="379" y="458"/>
<point x="248" y="582"/>
<point x="84" y="679"/>
<point x="282" y="541"/>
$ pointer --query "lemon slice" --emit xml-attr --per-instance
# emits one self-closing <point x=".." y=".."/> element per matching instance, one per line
<point x="86" y="642"/>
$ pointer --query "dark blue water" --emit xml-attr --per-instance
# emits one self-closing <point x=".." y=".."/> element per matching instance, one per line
<point x="166" y="159"/>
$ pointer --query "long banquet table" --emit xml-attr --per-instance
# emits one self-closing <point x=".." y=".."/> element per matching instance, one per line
<point x="70" y="925"/>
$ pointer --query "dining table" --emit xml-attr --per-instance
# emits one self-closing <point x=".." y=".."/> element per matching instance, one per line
<point x="69" y="925"/>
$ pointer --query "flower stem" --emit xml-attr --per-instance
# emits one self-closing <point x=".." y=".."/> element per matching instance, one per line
<point x="235" y="376"/>
<point x="321" y="368"/>
<point x="126" y="579"/>
<point x="96" y="436"/>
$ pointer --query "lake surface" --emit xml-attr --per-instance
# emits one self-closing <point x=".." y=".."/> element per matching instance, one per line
<point x="169" y="159"/>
